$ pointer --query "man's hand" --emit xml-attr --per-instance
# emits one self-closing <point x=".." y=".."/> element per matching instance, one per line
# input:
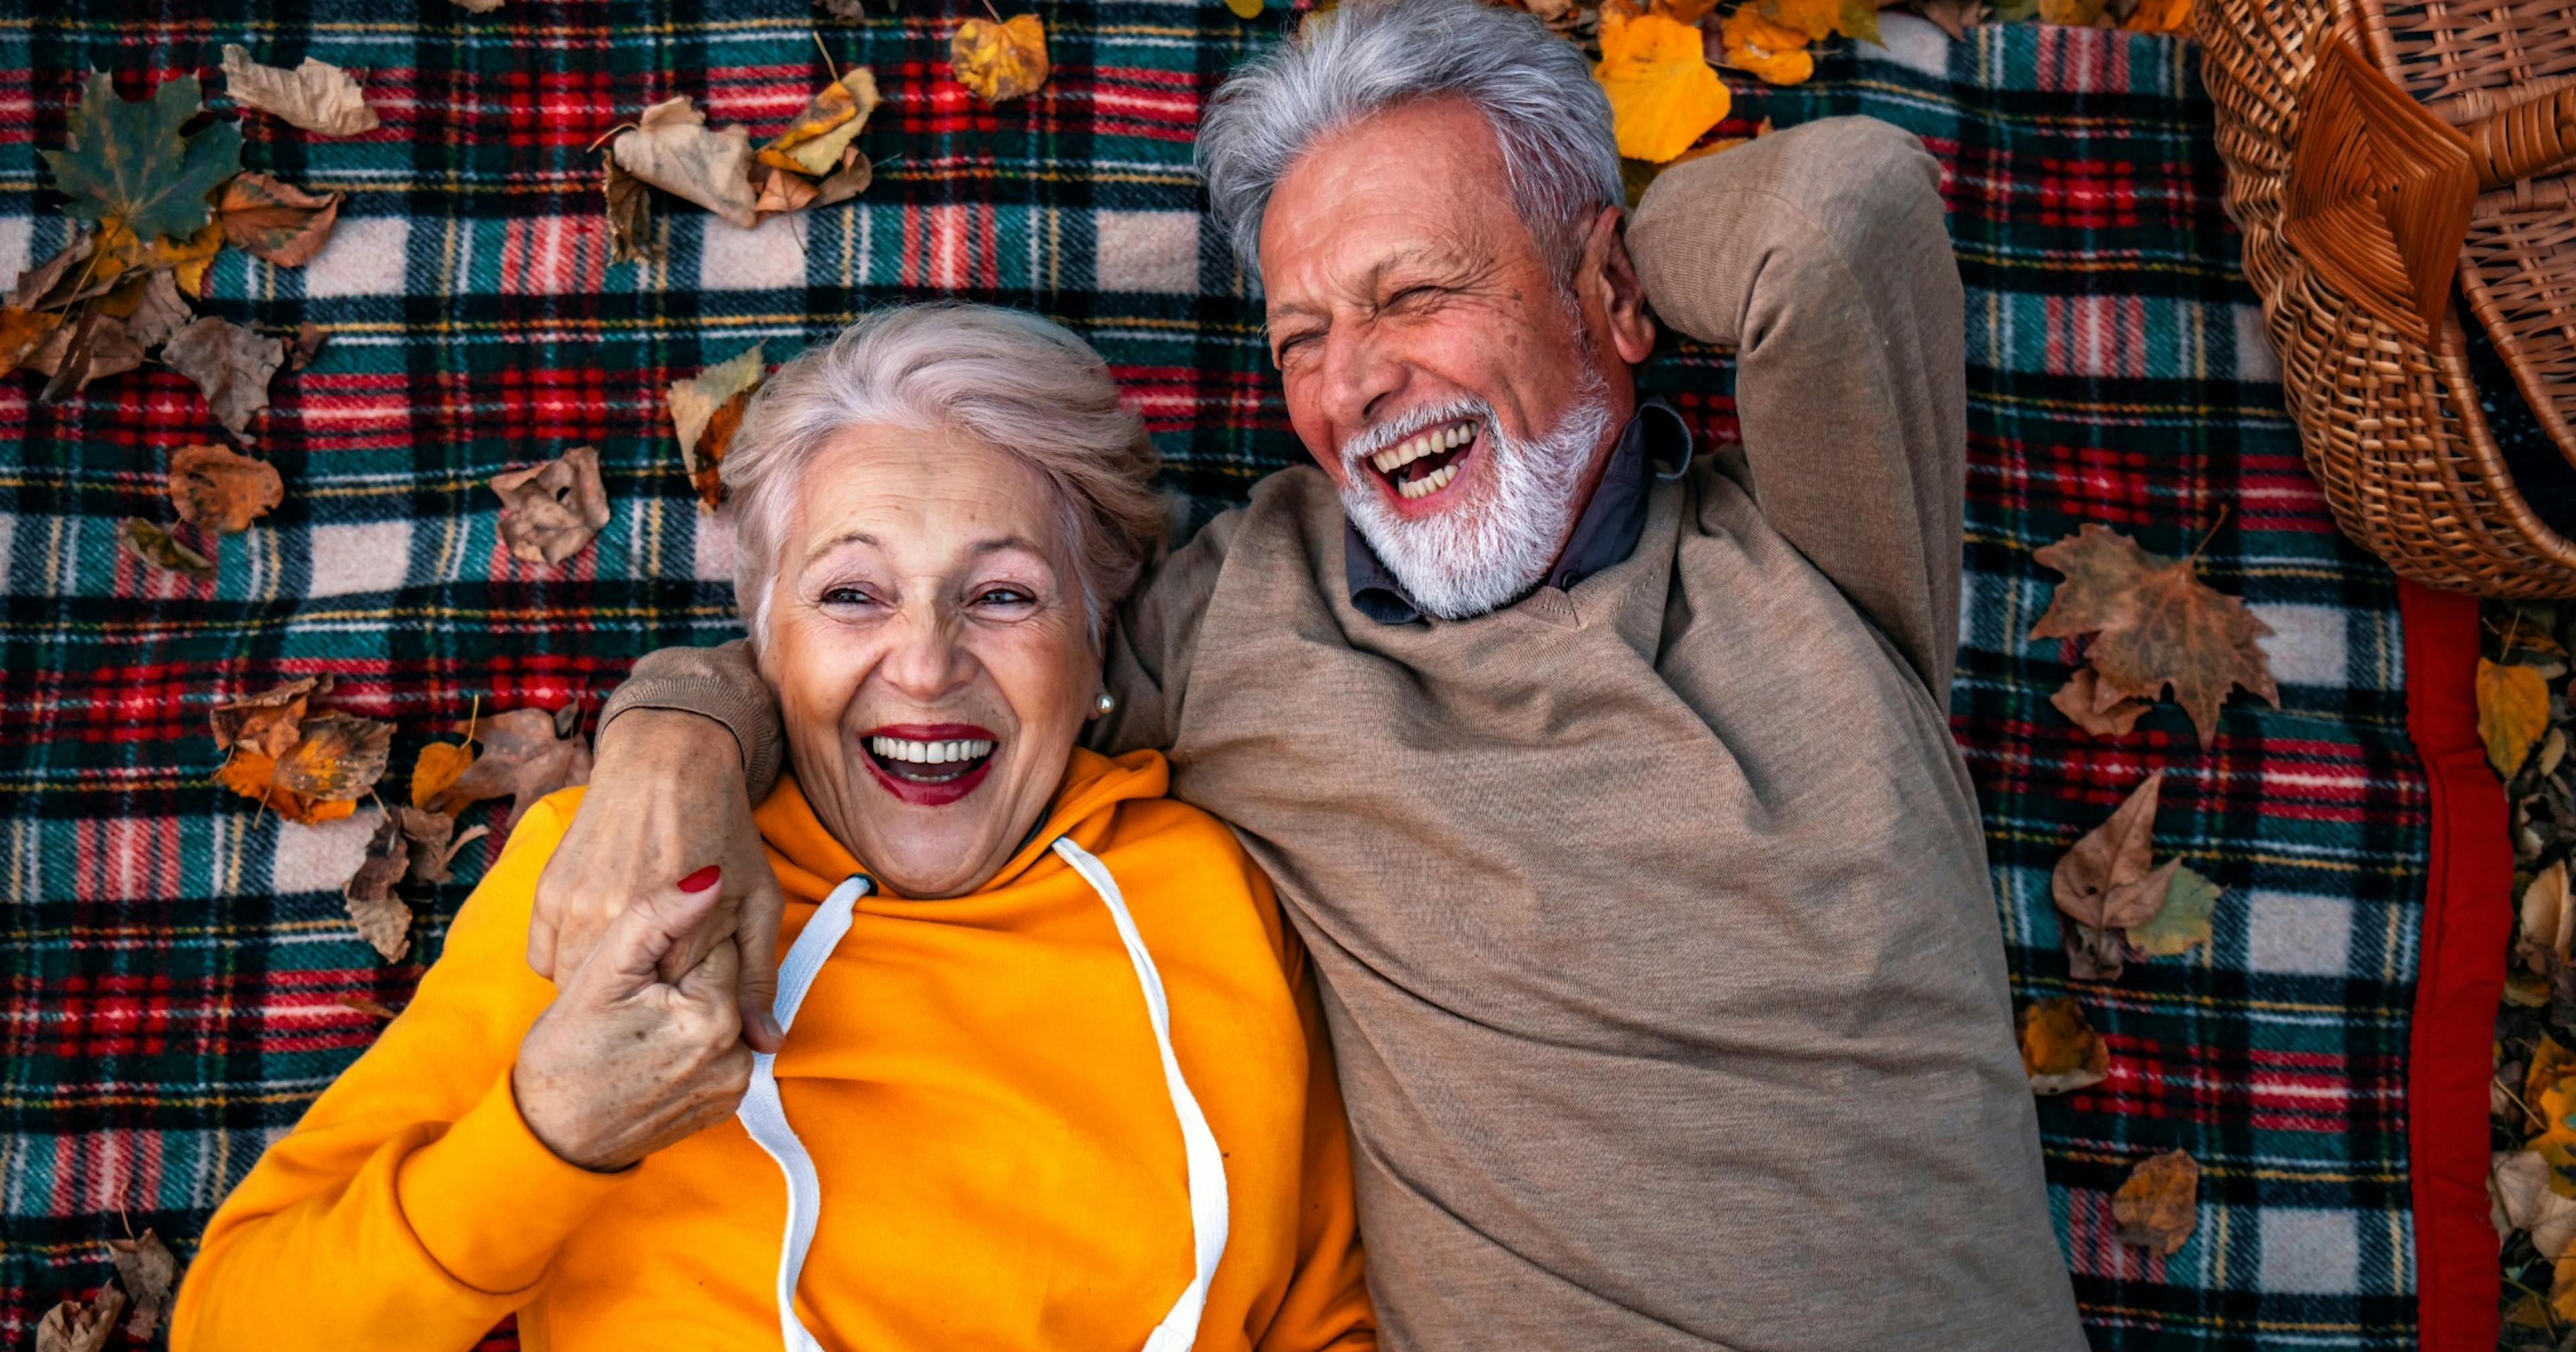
<point x="623" y="1062"/>
<point x="665" y="799"/>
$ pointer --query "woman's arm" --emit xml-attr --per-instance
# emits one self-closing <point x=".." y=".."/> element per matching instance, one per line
<point x="411" y="1208"/>
<point x="1327" y="1305"/>
<point x="427" y="1191"/>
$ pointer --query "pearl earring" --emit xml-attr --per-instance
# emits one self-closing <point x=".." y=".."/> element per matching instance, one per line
<point x="1102" y="704"/>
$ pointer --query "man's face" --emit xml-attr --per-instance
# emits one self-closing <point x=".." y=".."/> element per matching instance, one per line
<point x="1460" y="391"/>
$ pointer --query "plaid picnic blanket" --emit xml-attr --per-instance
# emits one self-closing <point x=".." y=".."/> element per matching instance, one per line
<point x="172" y="959"/>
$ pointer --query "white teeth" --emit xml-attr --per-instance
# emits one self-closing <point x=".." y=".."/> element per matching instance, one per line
<point x="930" y="753"/>
<point x="1428" y="484"/>
<point x="1406" y="452"/>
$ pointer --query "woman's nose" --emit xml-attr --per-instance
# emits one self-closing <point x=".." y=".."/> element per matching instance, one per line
<point x="925" y="661"/>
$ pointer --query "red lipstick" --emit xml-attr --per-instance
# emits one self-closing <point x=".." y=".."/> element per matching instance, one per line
<point x="928" y="783"/>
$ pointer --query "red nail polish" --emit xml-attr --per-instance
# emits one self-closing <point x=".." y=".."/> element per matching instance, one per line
<point x="701" y="880"/>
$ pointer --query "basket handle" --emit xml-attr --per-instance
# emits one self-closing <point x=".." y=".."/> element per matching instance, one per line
<point x="2527" y="140"/>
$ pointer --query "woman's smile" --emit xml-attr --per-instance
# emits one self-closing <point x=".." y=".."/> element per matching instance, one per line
<point x="930" y="764"/>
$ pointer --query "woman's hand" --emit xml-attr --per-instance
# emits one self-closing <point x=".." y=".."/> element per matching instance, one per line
<point x="665" y="796"/>
<point x="623" y="1062"/>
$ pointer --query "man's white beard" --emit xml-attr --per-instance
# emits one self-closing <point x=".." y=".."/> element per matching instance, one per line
<point x="1486" y="551"/>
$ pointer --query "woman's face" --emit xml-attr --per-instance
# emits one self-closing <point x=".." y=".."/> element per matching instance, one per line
<point x="929" y="649"/>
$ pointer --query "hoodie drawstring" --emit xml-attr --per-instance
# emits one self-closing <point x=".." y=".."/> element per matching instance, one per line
<point x="766" y="1119"/>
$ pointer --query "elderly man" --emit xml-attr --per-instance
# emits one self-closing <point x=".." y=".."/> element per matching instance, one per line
<point x="1610" y="789"/>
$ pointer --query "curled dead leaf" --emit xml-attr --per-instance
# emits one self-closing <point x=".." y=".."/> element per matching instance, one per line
<point x="522" y="758"/>
<point x="671" y="148"/>
<point x="2098" y="881"/>
<point x="231" y="364"/>
<point x="150" y="1272"/>
<point x="2548" y="920"/>
<point x="2059" y="1049"/>
<point x="813" y="142"/>
<point x="2160" y="1203"/>
<point x="253" y="776"/>
<point x="278" y="222"/>
<point x="705" y="409"/>
<point x="339" y="757"/>
<point x="549" y="512"/>
<point x="1663" y="95"/>
<point x="158" y="548"/>
<point x="2155" y="624"/>
<point x="2079" y="696"/>
<point x="434" y="842"/>
<point x="78" y="1326"/>
<point x="998" y="62"/>
<point x="630" y="215"/>
<point x="2519" y="1197"/>
<point x="22" y="332"/>
<point x="220" y="491"/>
<point x="270" y="722"/>
<point x="316" y="96"/>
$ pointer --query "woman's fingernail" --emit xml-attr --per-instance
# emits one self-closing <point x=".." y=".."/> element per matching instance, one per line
<point x="701" y="880"/>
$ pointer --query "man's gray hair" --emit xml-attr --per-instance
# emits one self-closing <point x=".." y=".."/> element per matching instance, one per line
<point x="1550" y="118"/>
<point x="1009" y="379"/>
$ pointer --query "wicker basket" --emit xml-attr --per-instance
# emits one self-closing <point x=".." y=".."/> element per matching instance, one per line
<point x="2355" y="275"/>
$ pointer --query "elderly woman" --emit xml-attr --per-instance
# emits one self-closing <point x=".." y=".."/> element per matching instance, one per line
<point x="1052" y="1072"/>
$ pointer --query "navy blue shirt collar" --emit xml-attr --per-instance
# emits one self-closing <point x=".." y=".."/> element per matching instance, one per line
<point x="1655" y="444"/>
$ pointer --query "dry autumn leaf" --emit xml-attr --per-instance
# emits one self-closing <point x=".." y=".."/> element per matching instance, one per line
<point x="1246" y="10"/>
<point x="522" y="758"/>
<point x="317" y="96"/>
<point x="2513" y="710"/>
<point x="278" y="222"/>
<point x="2059" y="1050"/>
<point x="22" y="331"/>
<point x="1821" y="19"/>
<point x="2548" y="920"/>
<point x="1953" y="17"/>
<point x="127" y="163"/>
<point x="671" y="147"/>
<point x="2154" y="624"/>
<point x="2104" y="884"/>
<point x="846" y="182"/>
<point x="998" y="62"/>
<point x="2072" y="13"/>
<point x="439" y="765"/>
<point x="2159" y="1204"/>
<point x="812" y="144"/>
<point x="221" y="491"/>
<point x="339" y="757"/>
<point x="158" y="311"/>
<point x="77" y="1326"/>
<point x="149" y="1271"/>
<point x="2519" y="1198"/>
<point x="705" y="409"/>
<point x="156" y="547"/>
<point x="1774" y="53"/>
<point x="2183" y="923"/>
<point x="630" y="215"/>
<point x="370" y="1007"/>
<point x="549" y="512"/>
<point x="252" y="775"/>
<point x="2160" y="16"/>
<point x="2550" y="1063"/>
<point x="1663" y="95"/>
<point x="231" y="364"/>
<point x="270" y="722"/>
<point x="434" y="842"/>
<point x="2077" y="698"/>
<point x="382" y="919"/>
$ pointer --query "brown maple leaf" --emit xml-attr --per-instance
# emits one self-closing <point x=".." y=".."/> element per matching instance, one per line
<point x="2155" y="625"/>
<point x="220" y="491"/>
<point x="2077" y="698"/>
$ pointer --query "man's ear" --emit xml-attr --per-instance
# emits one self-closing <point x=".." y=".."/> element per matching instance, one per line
<point x="1606" y="281"/>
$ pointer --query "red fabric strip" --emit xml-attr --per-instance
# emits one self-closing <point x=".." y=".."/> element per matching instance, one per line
<point x="2468" y="919"/>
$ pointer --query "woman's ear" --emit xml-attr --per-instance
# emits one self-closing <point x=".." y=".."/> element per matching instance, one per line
<point x="1607" y="282"/>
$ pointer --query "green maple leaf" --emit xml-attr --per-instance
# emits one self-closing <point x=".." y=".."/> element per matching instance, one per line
<point x="127" y="163"/>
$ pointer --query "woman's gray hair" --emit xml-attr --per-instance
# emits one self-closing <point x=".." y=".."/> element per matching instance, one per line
<point x="1549" y="116"/>
<point x="1011" y="380"/>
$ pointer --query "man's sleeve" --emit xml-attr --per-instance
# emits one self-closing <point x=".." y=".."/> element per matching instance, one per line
<point x="1820" y="255"/>
<point x="1153" y="643"/>
<point x="720" y="683"/>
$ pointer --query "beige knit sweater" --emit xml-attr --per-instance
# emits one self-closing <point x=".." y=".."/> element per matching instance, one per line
<point x="1652" y="916"/>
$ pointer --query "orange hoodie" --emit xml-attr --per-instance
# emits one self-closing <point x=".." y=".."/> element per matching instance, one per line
<point x="975" y="1078"/>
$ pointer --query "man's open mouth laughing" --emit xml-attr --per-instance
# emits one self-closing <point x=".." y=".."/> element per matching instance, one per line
<point x="930" y="764"/>
<point x="1428" y="461"/>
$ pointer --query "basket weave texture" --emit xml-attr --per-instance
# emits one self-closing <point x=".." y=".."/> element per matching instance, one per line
<point x="2389" y="421"/>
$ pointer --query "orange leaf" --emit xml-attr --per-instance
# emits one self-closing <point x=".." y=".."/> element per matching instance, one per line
<point x="270" y="722"/>
<point x="439" y="765"/>
<point x="1663" y="95"/>
<point x="1776" y="53"/>
<point x="22" y="332"/>
<point x="251" y="775"/>
<point x="220" y="491"/>
<point x="340" y="757"/>
<point x="2161" y="16"/>
<point x="705" y="409"/>
<point x="2059" y="1050"/>
<point x="2159" y="1204"/>
<point x="2513" y="711"/>
<point x="998" y="62"/>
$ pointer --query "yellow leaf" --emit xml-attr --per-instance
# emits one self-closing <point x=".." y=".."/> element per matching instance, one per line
<point x="2071" y="13"/>
<point x="1663" y="95"/>
<point x="439" y="765"/>
<point x="1775" y="53"/>
<point x="2059" y="1050"/>
<point x="2513" y="710"/>
<point x="1245" y="9"/>
<point x="1823" y="18"/>
<point x="2562" y="1286"/>
<point x="22" y="332"/>
<point x="1000" y="61"/>
<point x="812" y="144"/>
<point x="2161" y="16"/>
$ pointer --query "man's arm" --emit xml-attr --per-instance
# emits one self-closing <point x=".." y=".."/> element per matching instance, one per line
<point x="1820" y="255"/>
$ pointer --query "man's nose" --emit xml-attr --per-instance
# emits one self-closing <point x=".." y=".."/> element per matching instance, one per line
<point x="925" y="661"/>
<point x="1361" y="380"/>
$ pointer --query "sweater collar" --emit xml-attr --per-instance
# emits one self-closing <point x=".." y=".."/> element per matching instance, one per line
<point x="1655" y="444"/>
<point x="810" y="861"/>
